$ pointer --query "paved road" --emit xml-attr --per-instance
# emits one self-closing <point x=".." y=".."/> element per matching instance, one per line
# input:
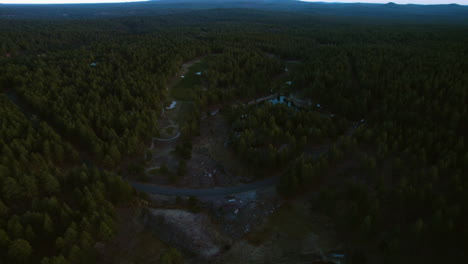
<point x="216" y="191"/>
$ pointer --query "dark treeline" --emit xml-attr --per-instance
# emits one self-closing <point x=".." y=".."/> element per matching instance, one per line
<point x="97" y="89"/>
<point x="268" y="135"/>
<point x="50" y="206"/>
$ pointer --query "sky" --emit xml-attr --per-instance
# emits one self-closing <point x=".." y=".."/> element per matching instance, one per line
<point x="423" y="2"/>
<point x="461" y="2"/>
<point x="66" y="1"/>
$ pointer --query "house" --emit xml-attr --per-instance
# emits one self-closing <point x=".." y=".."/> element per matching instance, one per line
<point x="172" y="106"/>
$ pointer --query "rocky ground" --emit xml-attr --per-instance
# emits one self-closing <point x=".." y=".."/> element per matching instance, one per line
<point x="251" y="227"/>
<point x="191" y="232"/>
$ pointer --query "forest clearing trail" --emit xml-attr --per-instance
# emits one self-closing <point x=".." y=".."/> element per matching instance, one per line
<point x="183" y="70"/>
<point x="185" y="67"/>
<point x="215" y="191"/>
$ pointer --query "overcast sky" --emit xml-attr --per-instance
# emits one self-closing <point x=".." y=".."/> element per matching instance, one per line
<point x="462" y="2"/>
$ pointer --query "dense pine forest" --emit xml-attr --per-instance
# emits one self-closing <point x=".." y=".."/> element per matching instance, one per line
<point x="381" y="146"/>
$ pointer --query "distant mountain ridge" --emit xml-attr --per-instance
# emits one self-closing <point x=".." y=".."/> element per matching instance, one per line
<point x="387" y="13"/>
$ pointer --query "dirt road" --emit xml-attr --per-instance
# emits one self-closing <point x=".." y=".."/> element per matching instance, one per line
<point x="216" y="191"/>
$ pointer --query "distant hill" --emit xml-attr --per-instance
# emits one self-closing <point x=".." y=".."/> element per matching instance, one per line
<point x="378" y="13"/>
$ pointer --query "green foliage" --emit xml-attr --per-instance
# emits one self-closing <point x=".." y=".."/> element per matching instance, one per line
<point x="194" y="204"/>
<point x="172" y="256"/>
<point x="184" y="150"/>
<point x="137" y="170"/>
<point x="47" y="201"/>
<point x="163" y="169"/>
<point x="188" y="87"/>
<point x="19" y="251"/>
<point x="182" y="168"/>
<point x="269" y="135"/>
<point x="109" y="110"/>
<point x="239" y="72"/>
<point x="408" y="82"/>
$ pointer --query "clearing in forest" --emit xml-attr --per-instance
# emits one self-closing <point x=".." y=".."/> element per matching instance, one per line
<point x="189" y="81"/>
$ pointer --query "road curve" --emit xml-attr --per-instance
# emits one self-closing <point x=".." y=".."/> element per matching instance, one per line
<point x="215" y="191"/>
<point x="167" y="139"/>
<point x="220" y="191"/>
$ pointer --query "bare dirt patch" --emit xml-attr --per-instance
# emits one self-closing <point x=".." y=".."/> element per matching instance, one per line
<point x="213" y="163"/>
<point x="191" y="232"/>
<point x="292" y="234"/>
